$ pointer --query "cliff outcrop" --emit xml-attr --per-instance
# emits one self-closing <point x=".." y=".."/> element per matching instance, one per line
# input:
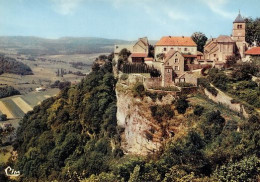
<point x="141" y="133"/>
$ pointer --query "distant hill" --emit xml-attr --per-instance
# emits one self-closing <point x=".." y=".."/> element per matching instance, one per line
<point x="65" y="45"/>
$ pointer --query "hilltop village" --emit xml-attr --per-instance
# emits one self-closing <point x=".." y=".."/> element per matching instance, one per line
<point x="177" y="59"/>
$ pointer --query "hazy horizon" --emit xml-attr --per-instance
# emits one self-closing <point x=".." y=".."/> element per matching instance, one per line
<point x="121" y="19"/>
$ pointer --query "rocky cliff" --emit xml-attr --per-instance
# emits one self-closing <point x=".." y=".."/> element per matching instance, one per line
<point x="141" y="133"/>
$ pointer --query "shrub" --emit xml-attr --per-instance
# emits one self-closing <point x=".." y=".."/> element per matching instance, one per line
<point x="218" y="78"/>
<point x="198" y="110"/>
<point x="169" y="88"/>
<point x="206" y="84"/>
<point x="3" y="117"/>
<point x="149" y="136"/>
<point x="124" y="77"/>
<point x="162" y="112"/>
<point x="155" y="73"/>
<point x="234" y="101"/>
<point x="138" y="89"/>
<point x="212" y="90"/>
<point x="244" y="170"/>
<point x="245" y="71"/>
<point x="246" y="84"/>
<point x="181" y="104"/>
<point x="152" y="95"/>
<point x="184" y="84"/>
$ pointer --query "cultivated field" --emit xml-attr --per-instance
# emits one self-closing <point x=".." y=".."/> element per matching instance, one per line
<point x="45" y="70"/>
<point x="16" y="106"/>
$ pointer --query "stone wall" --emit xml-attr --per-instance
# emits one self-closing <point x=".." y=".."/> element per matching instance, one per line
<point x="153" y="82"/>
<point x="226" y="100"/>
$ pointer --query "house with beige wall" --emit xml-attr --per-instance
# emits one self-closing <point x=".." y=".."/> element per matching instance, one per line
<point x="139" y="51"/>
<point x="184" y="45"/>
<point x="173" y="66"/>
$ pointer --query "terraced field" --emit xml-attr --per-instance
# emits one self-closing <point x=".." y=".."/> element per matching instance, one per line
<point x="16" y="106"/>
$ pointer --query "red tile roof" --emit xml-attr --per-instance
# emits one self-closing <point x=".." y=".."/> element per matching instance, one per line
<point x="253" y="51"/>
<point x="138" y="55"/>
<point x="176" y="41"/>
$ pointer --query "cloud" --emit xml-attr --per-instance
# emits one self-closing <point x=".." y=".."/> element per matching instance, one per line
<point x="217" y="6"/>
<point x="66" y="7"/>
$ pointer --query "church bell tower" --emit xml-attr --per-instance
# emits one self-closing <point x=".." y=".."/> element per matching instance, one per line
<point x="239" y="29"/>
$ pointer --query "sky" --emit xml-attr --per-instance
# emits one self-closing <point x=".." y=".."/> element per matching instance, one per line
<point x="121" y="19"/>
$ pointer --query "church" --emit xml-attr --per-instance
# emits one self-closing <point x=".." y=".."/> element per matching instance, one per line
<point x="219" y="49"/>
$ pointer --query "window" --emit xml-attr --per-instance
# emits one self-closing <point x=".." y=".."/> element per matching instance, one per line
<point x="185" y="49"/>
<point x="176" y="68"/>
<point x="172" y="48"/>
<point x="168" y="70"/>
<point x="176" y="60"/>
<point x="239" y="26"/>
<point x="215" y="55"/>
<point x="165" y="49"/>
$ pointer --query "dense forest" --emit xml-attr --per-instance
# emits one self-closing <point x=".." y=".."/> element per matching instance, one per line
<point x="75" y="131"/>
<point x="74" y="137"/>
<point x="10" y="65"/>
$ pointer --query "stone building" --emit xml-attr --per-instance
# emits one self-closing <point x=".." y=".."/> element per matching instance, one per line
<point x="172" y="67"/>
<point x="239" y="35"/>
<point x="184" y="45"/>
<point x="139" y="50"/>
<point x="218" y="49"/>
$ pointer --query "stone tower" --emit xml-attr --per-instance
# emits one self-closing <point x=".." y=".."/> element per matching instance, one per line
<point x="239" y="29"/>
<point x="239" y="35"/>
<point x="167" y="76"/>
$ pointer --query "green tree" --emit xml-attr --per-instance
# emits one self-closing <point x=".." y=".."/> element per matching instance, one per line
<point x="246" y="169"/>
<point x="200" y="39"/>
<point x="253" y="31"/>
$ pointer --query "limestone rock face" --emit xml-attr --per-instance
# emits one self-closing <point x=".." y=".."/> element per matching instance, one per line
<point x="131" y="117"/>
<point x="141" y="134"/>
